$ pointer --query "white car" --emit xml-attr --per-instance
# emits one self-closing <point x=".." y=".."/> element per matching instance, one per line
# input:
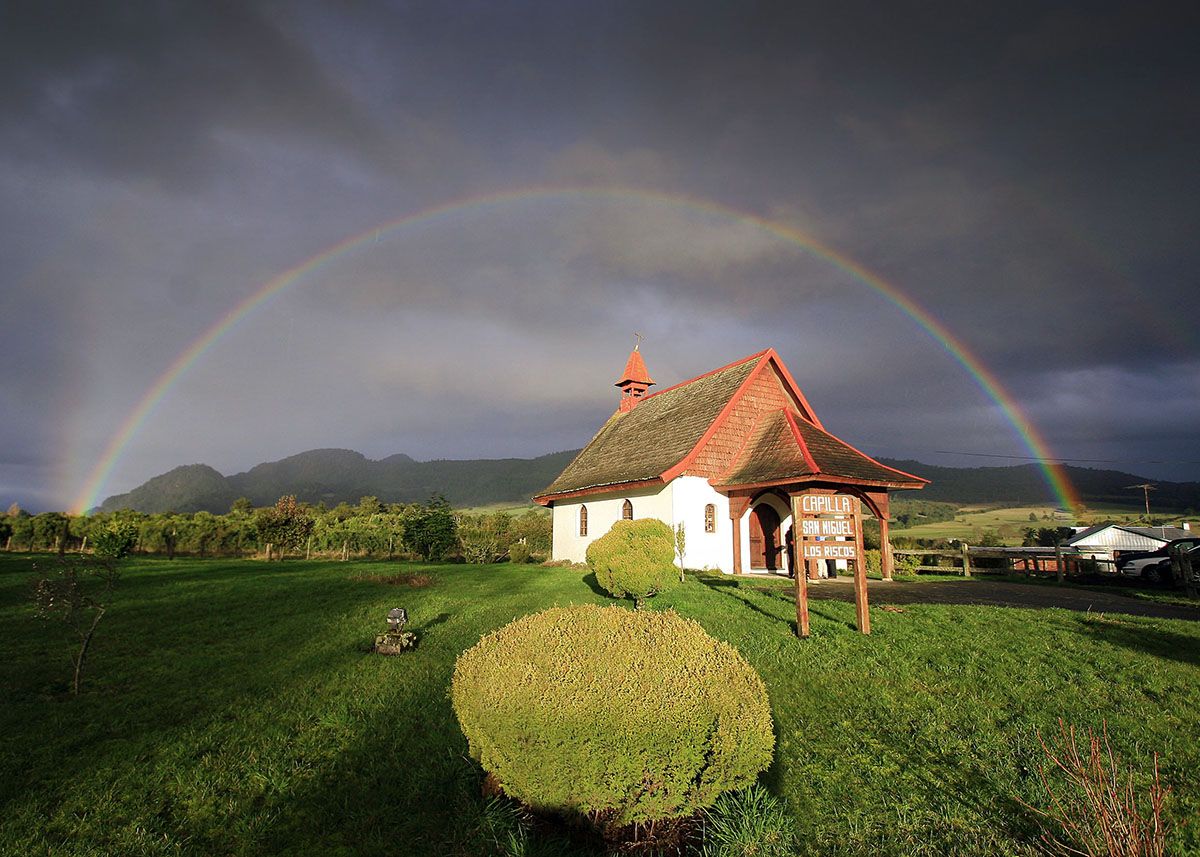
<point x="1155" y="566"/>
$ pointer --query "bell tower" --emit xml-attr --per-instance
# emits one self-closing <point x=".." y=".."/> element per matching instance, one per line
<point x="635" y="381"/>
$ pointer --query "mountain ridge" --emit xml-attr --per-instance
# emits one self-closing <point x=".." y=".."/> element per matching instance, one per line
<point x="334" y="475"/>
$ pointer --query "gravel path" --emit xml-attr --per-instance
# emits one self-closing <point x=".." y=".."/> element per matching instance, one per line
<point x="1001" y="594"/>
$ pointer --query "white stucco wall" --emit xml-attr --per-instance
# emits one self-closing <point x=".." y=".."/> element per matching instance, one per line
<point x="690" y="494"/>
<point x="604" y="510"/>
<point x="683" y="500"/>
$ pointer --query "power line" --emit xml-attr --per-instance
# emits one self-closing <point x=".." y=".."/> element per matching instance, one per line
<point x="1068" y="460"/>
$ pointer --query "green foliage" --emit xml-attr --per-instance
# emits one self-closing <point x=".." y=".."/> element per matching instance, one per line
<point x="22" y="530"/>
<point x="116" y="539"/>
<point x="749" y="823"/>
<point x="1045" y="536"/>
<point x="680" y="546"/>
<point x="990" y="539"/>
<point x="430" y="530"/>
<point x="906" y="564"/>
<point x="534" y="529"/>
<point x="48" y="528"/>
<point x="874" y="559"/>
<point x="622" y="716"/>
<point x="909" y="512"/>
<point x="518" y="552"/>
<point x="634" y="559"/>
<point x="484" y="538"/>
<point x="286" y="525"/>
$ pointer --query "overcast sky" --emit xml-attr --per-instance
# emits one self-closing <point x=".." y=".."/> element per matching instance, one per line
<point x="1024" y="172"/>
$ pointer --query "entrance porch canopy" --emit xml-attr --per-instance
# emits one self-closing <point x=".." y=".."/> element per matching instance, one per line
<point x="791" y="456"/>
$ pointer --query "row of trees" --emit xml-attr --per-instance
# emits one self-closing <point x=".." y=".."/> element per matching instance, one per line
<point x="431" y="531"/>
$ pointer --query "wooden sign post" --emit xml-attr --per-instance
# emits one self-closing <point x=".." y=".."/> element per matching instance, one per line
<point x="799" y="572"/>
<point x="830" y="527"/>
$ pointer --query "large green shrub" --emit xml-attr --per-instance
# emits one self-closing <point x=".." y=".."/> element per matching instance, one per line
<point x="623" y="716"/>
<point x="634" y="559"/>
<point x="116" y="540"/>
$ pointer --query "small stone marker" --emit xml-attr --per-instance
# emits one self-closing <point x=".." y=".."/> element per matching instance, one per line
<point x="395" y="639"/>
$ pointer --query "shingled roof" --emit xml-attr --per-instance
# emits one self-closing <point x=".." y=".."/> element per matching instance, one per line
<point x="785" y="446"/>
<point x="656" y="439"/>
<point x="641" y="444"/>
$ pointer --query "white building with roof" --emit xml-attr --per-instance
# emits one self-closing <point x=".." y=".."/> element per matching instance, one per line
<point x="1109" y="541"/>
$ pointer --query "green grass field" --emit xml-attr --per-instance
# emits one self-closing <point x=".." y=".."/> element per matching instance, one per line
<point x="971" y="522"/>
<point x="233" y="708"/>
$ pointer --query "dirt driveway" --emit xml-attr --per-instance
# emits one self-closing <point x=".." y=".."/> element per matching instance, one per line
<point x="1000" y="594"/>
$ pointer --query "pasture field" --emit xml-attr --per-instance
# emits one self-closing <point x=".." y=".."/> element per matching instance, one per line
<point x="232" y="707"/>
<point x="513" y="509"/>
<point x="971" y="521"/>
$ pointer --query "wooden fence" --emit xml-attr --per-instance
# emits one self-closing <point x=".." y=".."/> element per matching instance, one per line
<point x="968" y="560"/>
<point x="1030" y="561"/>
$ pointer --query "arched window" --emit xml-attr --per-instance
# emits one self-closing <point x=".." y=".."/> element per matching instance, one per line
<point x="627" y="511"/>
<point x="583" y="520"/>
<point x="710" y="518"/>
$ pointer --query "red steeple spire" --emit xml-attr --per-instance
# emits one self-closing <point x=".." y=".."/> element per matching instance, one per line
<point x="635" y="381"/>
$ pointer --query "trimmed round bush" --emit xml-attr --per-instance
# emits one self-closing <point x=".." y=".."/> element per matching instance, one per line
<point x="635" y="559"/>
<point x="620" y="715"/>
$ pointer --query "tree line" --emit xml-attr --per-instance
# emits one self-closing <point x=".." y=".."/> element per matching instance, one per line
<point x="430" y="531"/>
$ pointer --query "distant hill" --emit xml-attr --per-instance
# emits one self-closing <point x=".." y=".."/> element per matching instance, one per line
<point x="189" y="488"/>
<point x="1026" y="483"/>
<point x="336" y="475"/>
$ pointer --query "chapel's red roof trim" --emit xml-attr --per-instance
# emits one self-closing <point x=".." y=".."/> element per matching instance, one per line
<point x="547" y="499"/>
<point x="804" y="450"/>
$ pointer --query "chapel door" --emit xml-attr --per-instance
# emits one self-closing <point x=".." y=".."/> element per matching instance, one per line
<point x="764" y="538"/>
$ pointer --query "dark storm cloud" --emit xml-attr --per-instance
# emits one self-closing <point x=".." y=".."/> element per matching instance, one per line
<point x="148" y="90"/>
<point x="1023" y="172"/>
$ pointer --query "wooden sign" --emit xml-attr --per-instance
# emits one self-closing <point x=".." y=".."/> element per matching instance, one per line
<point x="827" y="504"/>
<point x="828" y="526"/>
<point x="801" y="577"/>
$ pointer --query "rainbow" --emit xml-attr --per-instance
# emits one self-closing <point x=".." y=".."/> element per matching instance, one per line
<point x="986" y="380"/>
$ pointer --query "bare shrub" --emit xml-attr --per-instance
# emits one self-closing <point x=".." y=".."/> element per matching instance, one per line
<point x="75" y="589"/>
<point x="1094" y="807"/>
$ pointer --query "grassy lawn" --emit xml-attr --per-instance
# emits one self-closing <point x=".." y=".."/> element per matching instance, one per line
<point x="232" y="708"/>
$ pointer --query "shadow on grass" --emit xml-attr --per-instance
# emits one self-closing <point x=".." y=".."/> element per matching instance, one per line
<point x="150" y="676"/>
<point x="405" y="780"/>
<point x="782" y="594"/>
<point x="593" y="584"/>
<point x="734" y="592"/>
<point x="1151" y="641"/>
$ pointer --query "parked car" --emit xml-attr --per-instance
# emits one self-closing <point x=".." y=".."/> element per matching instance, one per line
<point x="1155" y="566"/>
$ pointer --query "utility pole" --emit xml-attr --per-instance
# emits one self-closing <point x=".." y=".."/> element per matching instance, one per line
<point x="1146" y="487"/>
